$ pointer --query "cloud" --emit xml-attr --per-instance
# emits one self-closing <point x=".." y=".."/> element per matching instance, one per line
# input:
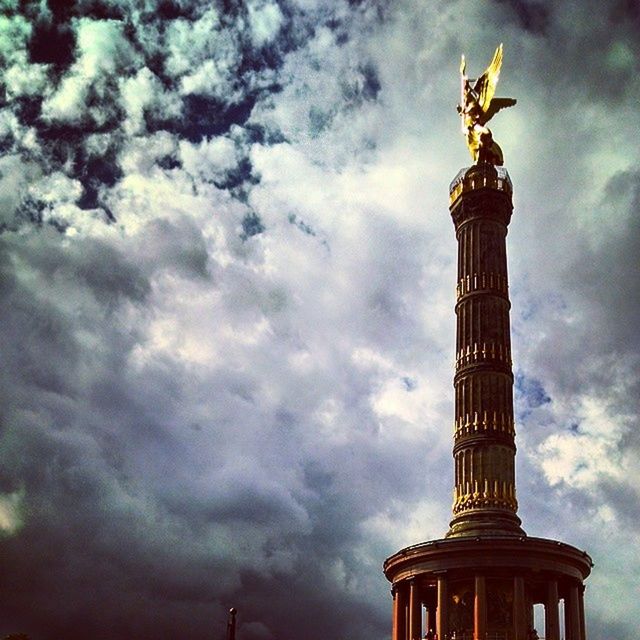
<point x="227" y="275"/>
<point x="265" y="19"/>
<point x="25" y="79"/>
<point x="144" y="97"/>
<point x="14" y="34"/>
<point x="11" y="518"/>
<point x="101" y="50"/>
<point x="209" y="160"/>
<point x="588" y="452"/>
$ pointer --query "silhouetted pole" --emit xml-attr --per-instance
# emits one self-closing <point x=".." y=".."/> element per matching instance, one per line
<point x="231" y="624"/>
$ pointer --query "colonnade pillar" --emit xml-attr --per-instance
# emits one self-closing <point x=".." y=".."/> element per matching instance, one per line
<point x="407" y="611"/>
<point x="399" y="627"/>
<point x="480" y="609"/>
<point x="395" y="613"/>
<point x="519" y="613"/>
<point x="572" y="615"/>
<point x="551" y="615"/>
<point x="583" y="624"/>
<point x="415" y="612"/>
<point x="442" y="628"/>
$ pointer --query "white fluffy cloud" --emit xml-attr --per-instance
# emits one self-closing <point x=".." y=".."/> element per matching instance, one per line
<point x="144" y="92"/>
<point x="265" y="19"/>
<point x="101" y="49"/>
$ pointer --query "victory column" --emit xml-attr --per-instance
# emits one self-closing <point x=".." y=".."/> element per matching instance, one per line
<point x="482" y="580"/>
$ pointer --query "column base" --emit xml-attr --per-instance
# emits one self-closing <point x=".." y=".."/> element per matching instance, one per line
<point x="485" y="522"/>
<point x="517" y="570"/>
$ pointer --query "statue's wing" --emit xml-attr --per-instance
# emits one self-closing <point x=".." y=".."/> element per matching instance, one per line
<point x="485" y="86"/>
<point x="495" y="106"/>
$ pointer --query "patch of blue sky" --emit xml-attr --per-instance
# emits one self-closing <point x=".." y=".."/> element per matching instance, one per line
<point x="410" y="384"/>
<point x="529" y="394"/>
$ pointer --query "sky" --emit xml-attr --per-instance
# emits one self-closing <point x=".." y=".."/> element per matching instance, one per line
<point x="227" y="289"/>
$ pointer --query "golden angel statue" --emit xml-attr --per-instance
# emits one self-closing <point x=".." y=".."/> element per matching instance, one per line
<point x="478" y="106"/>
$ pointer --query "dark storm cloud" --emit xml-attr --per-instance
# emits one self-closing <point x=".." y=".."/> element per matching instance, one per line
<point x="531" y="15"/>
<point x="337" y="616"/>
<point x="39" y="337"/>
<point x="624" y="11"/>
<point x="112" y="507"/>
<point x="615" y="284"/>
<point x="90" y="522"/>
<point x="227" y="303"/>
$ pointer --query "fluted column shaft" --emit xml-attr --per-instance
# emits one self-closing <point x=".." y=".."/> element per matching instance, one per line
<point x="484" y="435"/>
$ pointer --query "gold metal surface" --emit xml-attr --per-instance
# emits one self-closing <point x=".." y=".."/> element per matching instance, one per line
<point x="465" y="184"/>
<point x="486" y="281"/>
<point x="486" y="422"/>
<point x="478" y="105"/>
<point x="492" y="495"/>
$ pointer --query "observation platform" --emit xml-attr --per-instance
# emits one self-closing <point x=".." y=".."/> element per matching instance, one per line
<point x="482" y="176"/>
<point x="487" y="586"/>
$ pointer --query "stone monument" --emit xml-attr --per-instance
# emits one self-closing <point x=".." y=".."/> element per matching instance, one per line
<point x="482" y="580"/>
